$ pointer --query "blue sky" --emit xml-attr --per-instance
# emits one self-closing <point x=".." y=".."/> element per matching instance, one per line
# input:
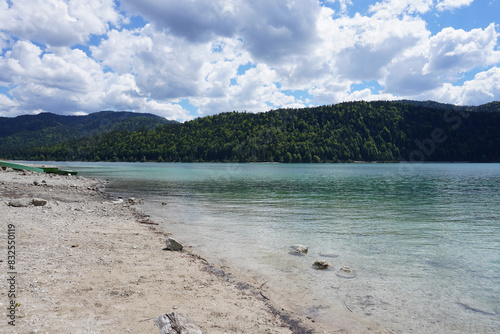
<point x="190" y="58"/>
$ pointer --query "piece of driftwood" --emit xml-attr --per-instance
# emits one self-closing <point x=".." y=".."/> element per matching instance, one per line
<point x="176" y="323"/>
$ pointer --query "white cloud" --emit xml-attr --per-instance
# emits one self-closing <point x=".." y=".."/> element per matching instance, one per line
<point x="391" y="8"/>
<point x="8" y="107"/>
<point x="197" y="21"/>
<point x="68" y="81"/>
<point x="456" y="51"/>
<point x="485" y="87"/>
<point x="452" y="4"/>
<point x="376" y="43"/>
<point x="224" y="55"/>
<point x="163" y="65"/>
<point x="57" y="22"/>
<point x="270" y="29"/>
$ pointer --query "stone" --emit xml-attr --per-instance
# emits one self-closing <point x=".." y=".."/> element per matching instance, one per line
<point x="299" y="249"/>
<point x="176" y="323"/>
<point x="321" y="264"/>
<point x="346" y="272"/>
<point x="20" y="202"/>
<point x="132" y="201"/>
<point x="39" y="201"/>
<point x="173" y="245"/>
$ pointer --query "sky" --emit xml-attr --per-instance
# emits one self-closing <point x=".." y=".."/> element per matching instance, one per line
<point x="183" y="59"/>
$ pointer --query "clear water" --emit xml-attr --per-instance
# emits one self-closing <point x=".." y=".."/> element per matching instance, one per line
<point x="423" y="239"/>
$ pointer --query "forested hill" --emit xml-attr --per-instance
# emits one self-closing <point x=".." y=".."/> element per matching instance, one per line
<point x="47" y="128"/>
<point x="354" y="131"/>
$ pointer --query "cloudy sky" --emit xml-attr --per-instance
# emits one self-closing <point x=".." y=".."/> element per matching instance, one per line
<point x="183" y="59"/>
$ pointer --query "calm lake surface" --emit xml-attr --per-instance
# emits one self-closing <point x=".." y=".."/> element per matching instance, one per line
<point x="423" y="239"/>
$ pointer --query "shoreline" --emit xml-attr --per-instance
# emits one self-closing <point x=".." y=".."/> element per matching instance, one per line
<point x="84" y="263"/>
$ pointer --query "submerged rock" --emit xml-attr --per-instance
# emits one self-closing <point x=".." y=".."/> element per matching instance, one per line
<point x="299" y="250"/>
<point x="346" y="272"/>
<point x="173" y="245"/>
<point x="321" y="264"/>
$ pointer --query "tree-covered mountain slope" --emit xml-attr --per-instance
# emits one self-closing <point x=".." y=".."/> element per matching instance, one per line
<point x="47" y="128"/>
<point x="354" y="131"/>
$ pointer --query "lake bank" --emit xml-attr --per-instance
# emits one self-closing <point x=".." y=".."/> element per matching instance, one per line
<point x="84" y="264"/>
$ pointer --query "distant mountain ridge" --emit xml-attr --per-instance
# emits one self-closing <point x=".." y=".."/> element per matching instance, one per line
<point x="48" y="128"/>
<point x="492" y="106"/>
<point x="385" y="131"/>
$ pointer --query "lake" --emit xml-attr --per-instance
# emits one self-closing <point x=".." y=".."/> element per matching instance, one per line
<point x="423" y="239"/>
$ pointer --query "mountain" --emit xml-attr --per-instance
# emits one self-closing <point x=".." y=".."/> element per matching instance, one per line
<point x="48" y="128"/>
<point x="352" y="131"/>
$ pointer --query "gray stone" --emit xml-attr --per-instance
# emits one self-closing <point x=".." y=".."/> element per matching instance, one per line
<point x="321" y="264"/>
<point x="299" y="249"/>
<point x="132" y="201"/>
<point x="346" y="272"/>
<point x="20" y="202"/>
<point x="39" y="201"/>
<point x="173" y="245"/>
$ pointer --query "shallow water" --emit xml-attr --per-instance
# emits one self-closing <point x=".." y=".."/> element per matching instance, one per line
<point x="423" y="239"/>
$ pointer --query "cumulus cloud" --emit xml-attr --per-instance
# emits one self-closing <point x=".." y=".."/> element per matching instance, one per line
<point x="270" y="29"/>
<point x="391" y="8"/>
<point x="194" y="20"/>
<point x="485" y="87"/>
<point x="57" y="22"/>
<point x="214" y="56"/>
<point x="375" y="45"/>
<point x="456" y="51"/>
<point x="452" y="4"/>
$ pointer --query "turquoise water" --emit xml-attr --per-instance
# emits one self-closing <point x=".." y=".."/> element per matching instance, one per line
<point x="423" y="239"/>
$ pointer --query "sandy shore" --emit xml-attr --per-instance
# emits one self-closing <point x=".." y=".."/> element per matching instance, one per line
<point x="86" y="265"/>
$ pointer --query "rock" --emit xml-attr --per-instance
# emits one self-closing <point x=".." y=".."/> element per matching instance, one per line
<point x="163" y="203"/>
<point x="346" y="272"/>
<point x="35" y="183"/>
<point x="39" y="202"/>
<point x="176" y="323"/>
<point x="20" y="202"/>
<point x="299" y="249"/>
<point x="132" y="201"/>
<point x="321" y="264"/>
<point x="173" y="245"/>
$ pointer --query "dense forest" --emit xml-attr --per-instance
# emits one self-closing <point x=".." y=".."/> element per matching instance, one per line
<point x="48" y="129"/>
<point x="346" y="132"/>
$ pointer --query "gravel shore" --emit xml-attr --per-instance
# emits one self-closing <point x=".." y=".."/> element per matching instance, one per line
<point x="84" y="263"/>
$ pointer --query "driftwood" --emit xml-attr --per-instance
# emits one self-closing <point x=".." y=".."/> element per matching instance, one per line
<point x="176" y="323"/>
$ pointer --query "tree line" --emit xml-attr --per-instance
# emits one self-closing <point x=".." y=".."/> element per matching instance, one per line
<point x="352" y="131"/>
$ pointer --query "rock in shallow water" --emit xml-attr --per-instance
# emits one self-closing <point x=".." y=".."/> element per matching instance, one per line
<point x="321" y="264"/>
<point x="346" y="272"/>
<point x="299" y="250"/>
